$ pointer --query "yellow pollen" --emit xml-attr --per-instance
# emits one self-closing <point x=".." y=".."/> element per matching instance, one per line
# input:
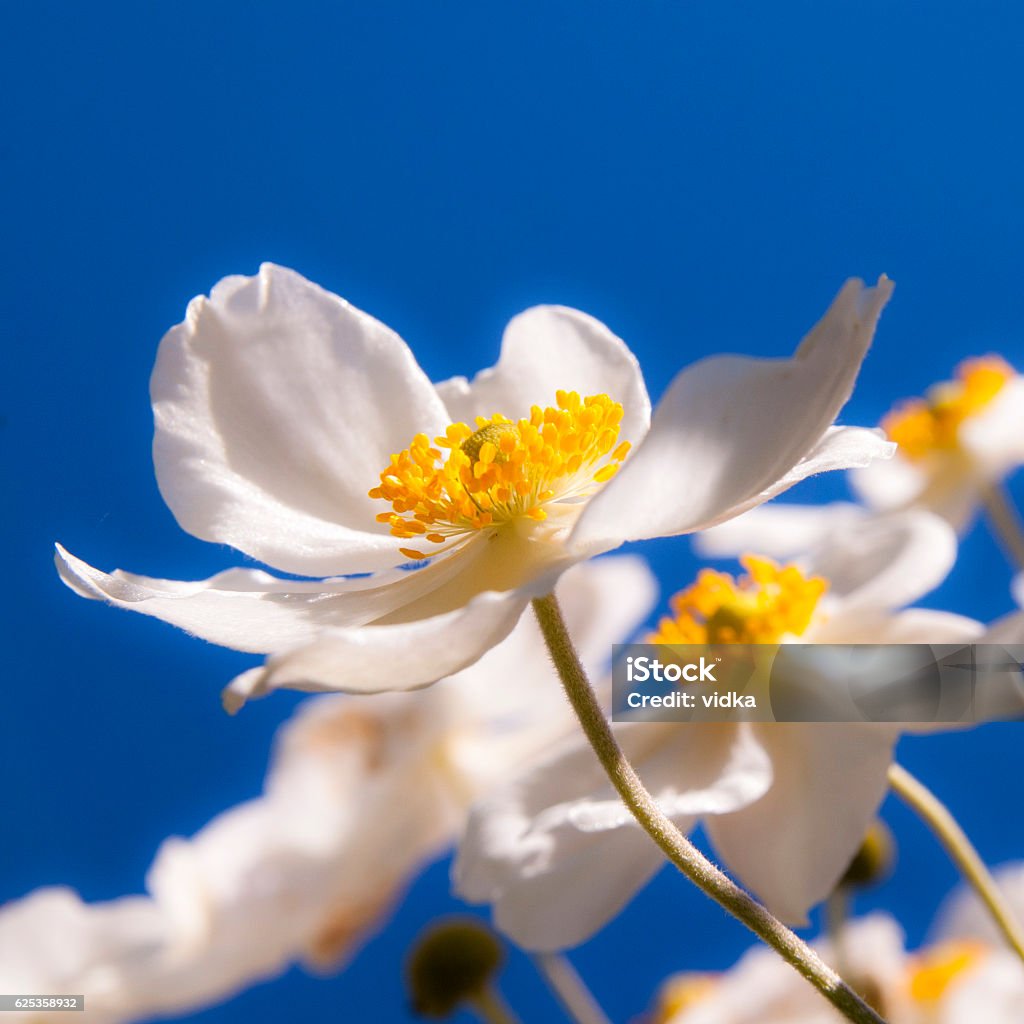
<point x="768" y="603"/>
<point x="501" y="470"/>
<point x="921" y="426"/>
<point x="935" y="970"/>
<point x="682" y="993"/>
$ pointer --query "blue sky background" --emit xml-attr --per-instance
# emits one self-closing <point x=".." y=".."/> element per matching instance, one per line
<point x="701" y="176"/>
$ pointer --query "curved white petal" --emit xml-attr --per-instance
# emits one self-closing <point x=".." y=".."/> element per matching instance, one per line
<point x="1017" y="589"/>
<point x="53" y="942"/>
<point x="277" y="405"/>
<point x="994" y="436"/>
<point x="551" y="348"/>
<point x="793" y="844"/>
<point x="946" y="485"/>
<point x="556" y="852"/>
<point x="962" y="915"/>
<point x="886" y="561"/>
<point x="778" y="530"/>
<point x="375" y="658"/>
<point x="730" y="428"/>
<point x="912" y="626"/>
<point x="249" y="610"/>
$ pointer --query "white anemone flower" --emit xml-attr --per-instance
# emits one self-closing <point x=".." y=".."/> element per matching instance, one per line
<point x="964" y="436"/>
<point x="785" y="805"/>
<point x="760" y="989"/>
<point x="302" y="432"/>
<point x="964" y="975"/>
<point x="361" y="793"/>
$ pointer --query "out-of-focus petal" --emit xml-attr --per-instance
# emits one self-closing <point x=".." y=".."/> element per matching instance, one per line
<point x="994" y="436"/>
<point x="886" y="561"/>
<point x="777" y="530"/>
<point x="277" y="405"/>
<point x="912" y="626"/>
<point x="729" y="428"/>
<point x="556" y="852"/>
<point x="551" y="348"/>
<point x="793" y="844"/>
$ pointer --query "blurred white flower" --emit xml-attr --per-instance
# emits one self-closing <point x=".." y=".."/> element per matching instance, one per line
<point x="361" y="793"/>
<point x="965" y="975"/>
<point x="297" y="429"/>
<point x="965" y="435"/>
<point x="785" y="805"/>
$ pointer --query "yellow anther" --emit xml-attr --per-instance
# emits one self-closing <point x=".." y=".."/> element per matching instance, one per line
<point x="921" y="426"/>
<point x="936" y="969"/>
<point x="682" y="993"/>
<point x="762" y="607"/>
<point x="501" y="470"/>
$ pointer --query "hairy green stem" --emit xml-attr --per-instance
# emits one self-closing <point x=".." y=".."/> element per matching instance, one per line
<point x="676" y="847"/>
<point x="491" y="1008"/>
<point x="954" y="840"/>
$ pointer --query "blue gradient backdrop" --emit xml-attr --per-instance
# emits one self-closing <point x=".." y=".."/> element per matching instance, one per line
<point x="701" y="176"/>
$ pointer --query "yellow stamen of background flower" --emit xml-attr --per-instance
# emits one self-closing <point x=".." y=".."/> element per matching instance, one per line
<point x="936" y="969"/>
<point x="682" y="993"/>
<point x="501" y="470"/>
<point x="770" y="602"/>
<point x="921" y="426"/>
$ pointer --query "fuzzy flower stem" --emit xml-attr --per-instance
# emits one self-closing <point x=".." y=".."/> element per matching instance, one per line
<point x="934" y="813"/>
<point x="676" y="847"/>
<point x="563" y="980"/>
<point x="491" y="1008"/>
<point x="1005" y="522"/>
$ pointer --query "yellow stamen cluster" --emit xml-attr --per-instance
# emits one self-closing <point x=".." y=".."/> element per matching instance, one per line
<point x="935" y="970"/>
<point x="762" y="607"/>
<point x="682" y="993"/>
<point x="921" y="426"/>
<point x="500" y="470"/>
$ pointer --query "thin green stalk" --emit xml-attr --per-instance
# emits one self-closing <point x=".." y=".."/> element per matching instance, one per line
<point x="954" y="840"/>
<point x="569" y="988"/>
<point x="1005" y="522"/>
<point x="491" y="1008"/>
<point x="676" y="847"/>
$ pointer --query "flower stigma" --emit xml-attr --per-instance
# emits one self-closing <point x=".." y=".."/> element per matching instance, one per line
<point x="921" y="426"/>
<point x="501" y="471"/>
<point x="769" y="602"/>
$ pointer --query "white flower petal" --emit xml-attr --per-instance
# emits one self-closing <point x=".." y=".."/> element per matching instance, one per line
<point x="552" y="851"/>
<point x="397" y="656"/>
<point x="886" y="561"/>
<point x="730" y="428"/>
<point x="994" y="437"/>
<point x="249" y="610"/>
<point x="277" y="405"/>
<point x="551" y="348"/>
<point x="912" y="626"/>
<point x="778" y="530"/>
<point x="793" y="844"/>
<point x="962" y="916"/>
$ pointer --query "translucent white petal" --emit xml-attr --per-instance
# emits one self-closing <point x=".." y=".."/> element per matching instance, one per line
<point x="913" y="626"/>
<point x="249" y="610"/>
<point x="545" y="349"/>
<point x="730" y="428"/>
<point x="777" y="530"/>
<point x="277" y="405"/>
<point x="885" y="561"/>
<point x="556" y="852"/>
<point x="793" y="844"/>
<point x="995" y="435"/>
<point x="397" y="656"/>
